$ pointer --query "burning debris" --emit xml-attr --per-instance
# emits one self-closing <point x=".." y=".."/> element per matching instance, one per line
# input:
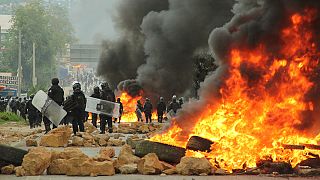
<point x="265" y="92"/>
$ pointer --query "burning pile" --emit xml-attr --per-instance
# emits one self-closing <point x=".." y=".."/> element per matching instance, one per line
<point x="265" y="93"/>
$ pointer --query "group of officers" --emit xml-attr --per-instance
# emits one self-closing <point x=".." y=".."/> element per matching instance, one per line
<point x="75" y="106"/>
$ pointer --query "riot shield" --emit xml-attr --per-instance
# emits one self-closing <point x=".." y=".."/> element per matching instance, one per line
<point x="99" y="106"/>
<point x="48" y="107"/>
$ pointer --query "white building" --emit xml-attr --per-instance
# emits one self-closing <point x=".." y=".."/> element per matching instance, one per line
<point x="5" y="25"/>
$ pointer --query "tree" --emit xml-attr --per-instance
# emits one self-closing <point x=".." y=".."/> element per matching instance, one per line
<point x="45" y="24"/>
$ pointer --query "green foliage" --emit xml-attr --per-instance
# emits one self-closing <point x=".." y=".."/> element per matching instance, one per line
<point x="45" y="24"/>
<point x="10" y="117"/>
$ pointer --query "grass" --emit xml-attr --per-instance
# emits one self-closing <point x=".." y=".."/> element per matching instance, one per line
<point x="6" y="117"/>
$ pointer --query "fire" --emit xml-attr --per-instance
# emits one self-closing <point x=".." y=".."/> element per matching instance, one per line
<point x="255" y="118"/>
<point x="129" y="107"/>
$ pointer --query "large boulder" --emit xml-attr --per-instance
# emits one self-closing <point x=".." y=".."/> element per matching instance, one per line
<point x="194" y="166"/>
<point x="57" y="137"/>
<point x="36" y="161"/>
<point x="89" y="167"/>
<point x="126" y="157"/>
<point x="68" y="153"/>
<point x="150" y="164"/>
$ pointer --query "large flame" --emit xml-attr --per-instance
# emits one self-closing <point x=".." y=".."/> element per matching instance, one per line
<point x="255" y="119"/>
<point x="129" y="107"/>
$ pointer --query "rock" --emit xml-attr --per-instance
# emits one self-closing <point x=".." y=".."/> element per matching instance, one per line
<point x="128" y="169"/>
<point x="20" y="171"/>
<point x="36" y="161"/>
<point x="150" y="164"/>
<point x="89" y="127"/>
<point x="8" y="169"/>
<point x="57" y="137"/>
<point x="126" y="157"/>
<point x="193" y="166"/>
<point x="116" y="142"/>
<point x="170" y="171"/>
<point x="68" y="153"/>
<point x="133" y="142"/>
<point x="78" y="167"/>
<point x="58" y="167"/>
<point x="107" y="152"/>
<point x="77" y="141"/>
<point x="31" y="142"/>
<point x="116" y="136"/>
<point x="87" y="136"/>
<point x="102" y="142"/>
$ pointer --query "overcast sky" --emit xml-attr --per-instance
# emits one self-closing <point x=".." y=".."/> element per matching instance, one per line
<point x="92" y="20"/>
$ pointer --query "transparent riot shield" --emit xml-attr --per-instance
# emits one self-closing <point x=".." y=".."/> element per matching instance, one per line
<point x="99" y="106"/>
<point x="48" y="107"/>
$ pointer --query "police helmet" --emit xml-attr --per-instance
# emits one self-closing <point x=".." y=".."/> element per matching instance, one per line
<point x="96" y="89"/>
<point x="55" y="81"/>
<point x="76" y="87"/>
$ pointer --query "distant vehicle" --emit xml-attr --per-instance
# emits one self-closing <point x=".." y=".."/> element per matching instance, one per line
<point x="8" y="92"/>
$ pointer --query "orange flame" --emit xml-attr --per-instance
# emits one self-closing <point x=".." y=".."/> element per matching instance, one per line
<point x="253" y="122"/>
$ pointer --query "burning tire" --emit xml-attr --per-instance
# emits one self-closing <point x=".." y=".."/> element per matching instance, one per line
<point x="168" y="153"/>
<point x="197" y="143"/>
<point x="11" y="155"/>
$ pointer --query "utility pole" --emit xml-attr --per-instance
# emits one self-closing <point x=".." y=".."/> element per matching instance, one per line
<point x="34" y="78"/>
<point x="19" y="66"/>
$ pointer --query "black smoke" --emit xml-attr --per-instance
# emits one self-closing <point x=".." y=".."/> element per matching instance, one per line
<point x="120" y="59"/>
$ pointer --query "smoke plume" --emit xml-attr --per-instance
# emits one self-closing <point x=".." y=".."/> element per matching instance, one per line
<point x="172" y="38"/>
<point x="121" y="58"/>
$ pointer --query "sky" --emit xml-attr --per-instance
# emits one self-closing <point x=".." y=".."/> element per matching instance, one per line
<point x="92" y="20"/>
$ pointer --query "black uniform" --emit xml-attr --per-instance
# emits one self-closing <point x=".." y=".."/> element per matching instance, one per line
<point x="95" y="116"/>
<point x="78" y="112"/>
<point x="33" y="114"/>
<point x="22" y="109"/>
<point x="148" y="111"/>
<point x="13" y="105"/>
<point x="56" y="93"/>
<point x="108" y="95"/>
<point x="174" y="106"/>
<point x="139" y="111"/>
<point x="161" y="108"/>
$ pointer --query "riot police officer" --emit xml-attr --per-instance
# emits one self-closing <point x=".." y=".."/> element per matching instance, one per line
<point x="108" y="95"/>
<point x="147" y="108"/>
<point x="32" y="113"/>
<point x="96" y="94"/>
<point x="161" y="108"/>
<point x="56" y="93"/>
<point x="174" y="105"/>
<point x="78" y="110"/>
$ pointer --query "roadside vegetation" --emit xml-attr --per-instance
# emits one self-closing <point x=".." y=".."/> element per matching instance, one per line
<point x="6" y="117"/>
